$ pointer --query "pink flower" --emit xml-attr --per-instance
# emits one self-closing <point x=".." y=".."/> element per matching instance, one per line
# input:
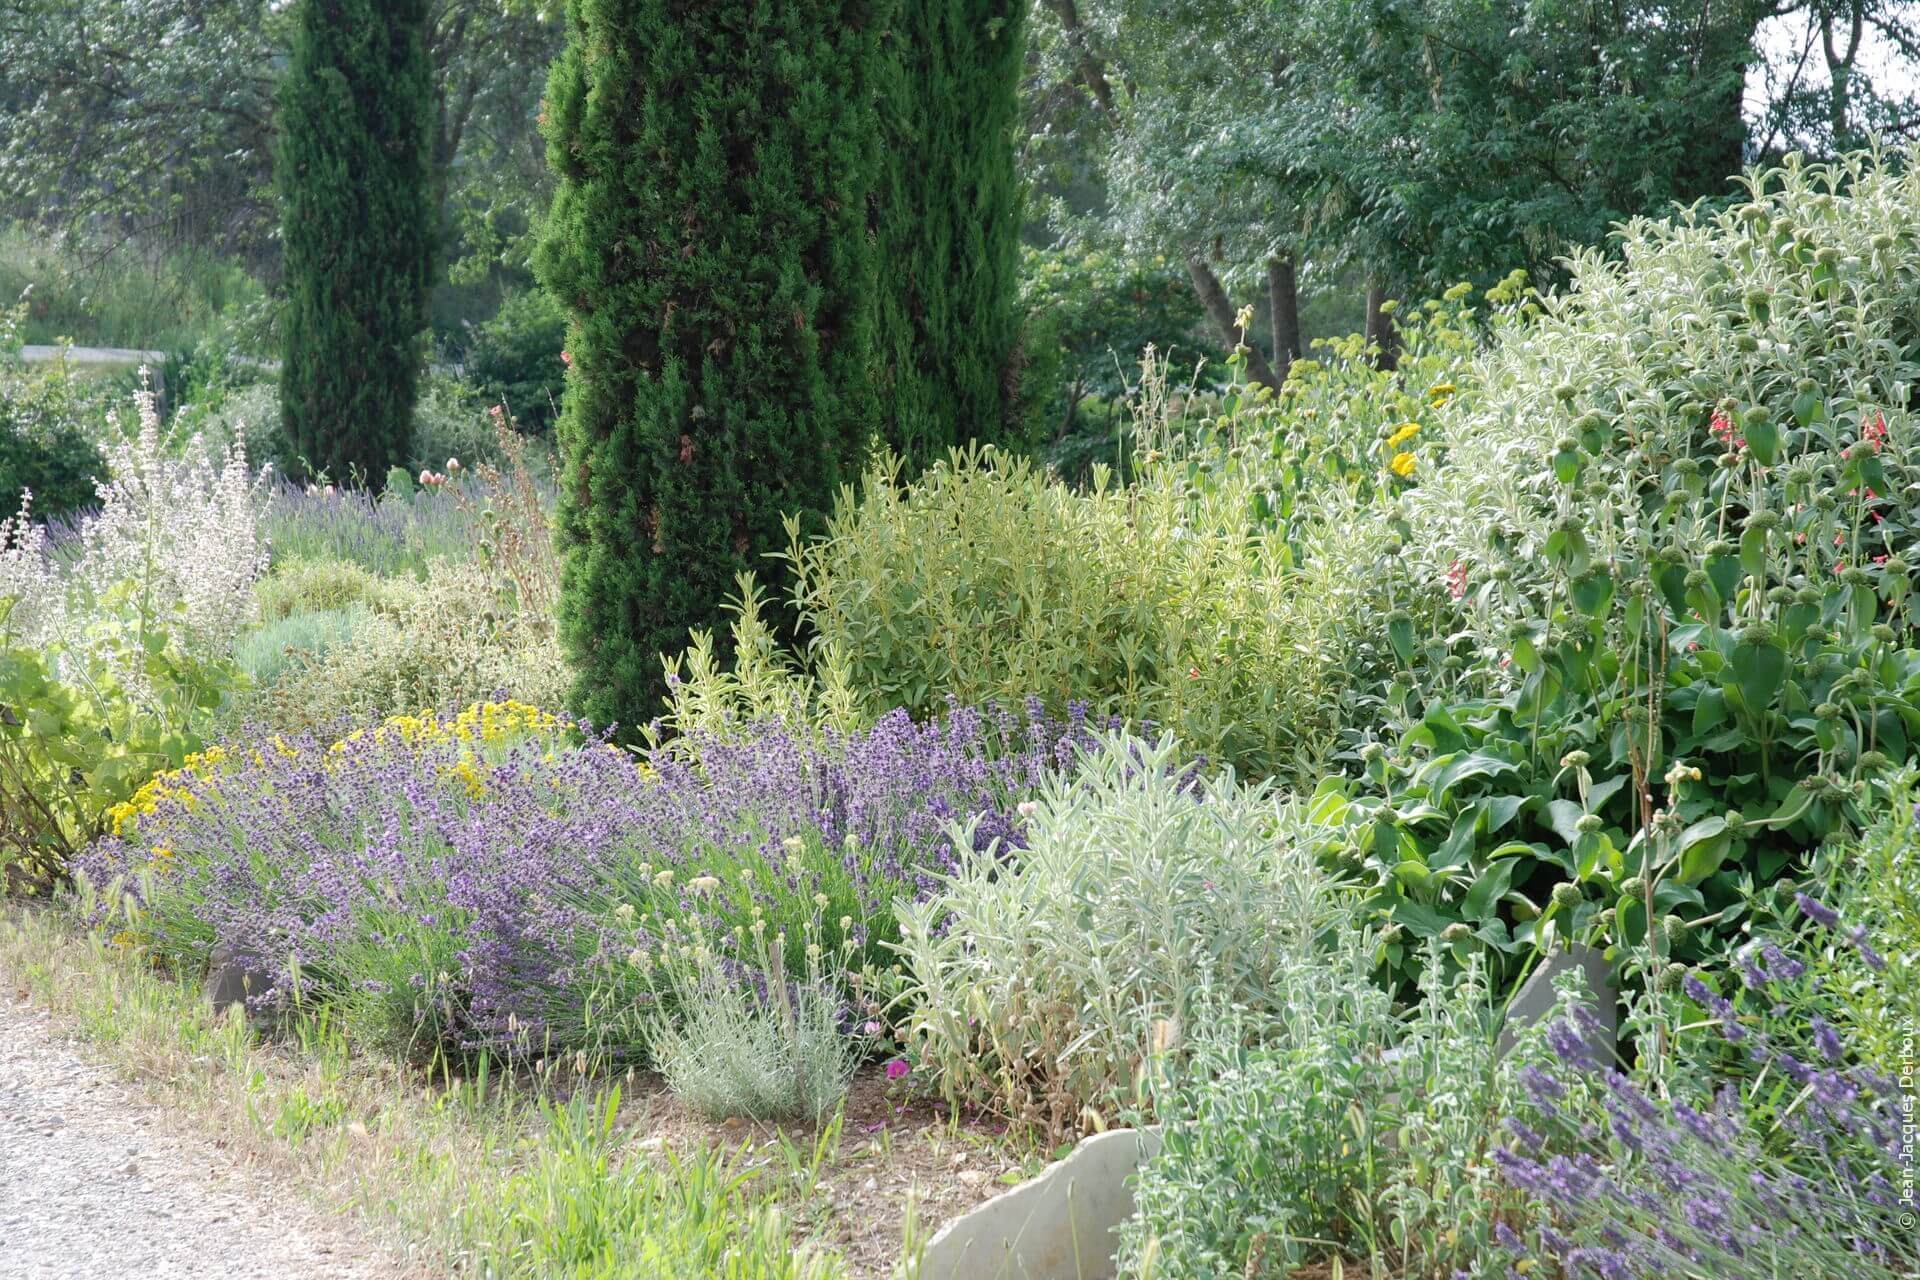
<point x="426" y="476"/>
<point x="898" y="1068"/>
<point x="566" y="358"/>
<point x="873" y="1027"/>
<point x="1457" y="580"/>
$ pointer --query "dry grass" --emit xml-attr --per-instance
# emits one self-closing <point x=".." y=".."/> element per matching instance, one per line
<point x="468" y="1176"/>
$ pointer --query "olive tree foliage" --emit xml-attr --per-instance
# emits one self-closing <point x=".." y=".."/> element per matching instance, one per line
<point x="1407" y="144"/>
<point x="1822" y="93"/>
<point x="154" y="119"/>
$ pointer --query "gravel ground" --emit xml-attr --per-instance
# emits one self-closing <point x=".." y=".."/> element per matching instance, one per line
<point x="94" y="1183"/>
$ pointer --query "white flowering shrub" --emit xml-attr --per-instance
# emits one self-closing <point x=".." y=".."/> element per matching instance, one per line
<point x="175" y="545"/>
<point x="117" y="635"/>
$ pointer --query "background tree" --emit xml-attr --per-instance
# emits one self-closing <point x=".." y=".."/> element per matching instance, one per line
<point x="950" y="218"/>
<point x="152" y="123"/>
<point x="1387" y="147"/>
<point x="353" y="168"/>
<point x="709" y="240"/>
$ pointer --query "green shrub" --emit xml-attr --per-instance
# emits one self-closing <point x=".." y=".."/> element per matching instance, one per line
<point x="1089" y="316"/>
<point x="301" y="586"/>
<point x="453" y="639"/>
<point x="450" y="421"/>
<point x="44" y="448"/>
<point x="1667" y="547"/>
<point x="1146" y="898"/>
<point x="55" y="462"/>
<point x="988" y="581"/>
<point x="514" y="357"/>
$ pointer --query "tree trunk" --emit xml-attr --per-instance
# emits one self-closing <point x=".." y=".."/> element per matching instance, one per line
<point x="1840" y="74"/>
<point x="1379" y="331"/>
<point x="1283" y="311"/>
<point x="1093" y="75"/>
<point x="1219" y="308"/>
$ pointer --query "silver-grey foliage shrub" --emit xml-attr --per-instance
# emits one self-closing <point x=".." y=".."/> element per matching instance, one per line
<point x="1041" y="979"/>
<point x="1804" y="299"/>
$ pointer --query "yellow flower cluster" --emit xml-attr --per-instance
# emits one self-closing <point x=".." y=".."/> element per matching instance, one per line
<point x="480" y="726"/>
<point x="484" y="724"/>
<point x="167" y="785"/>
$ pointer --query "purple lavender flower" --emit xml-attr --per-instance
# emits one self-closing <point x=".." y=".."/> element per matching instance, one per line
<point x="482" y="885"/>
<point x="1817" y="911"/>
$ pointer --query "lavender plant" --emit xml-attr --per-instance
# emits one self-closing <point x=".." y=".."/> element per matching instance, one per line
<point x="389" y="536"/>
<point x="460" y="884"/>
<point x="1806" y="1171"/>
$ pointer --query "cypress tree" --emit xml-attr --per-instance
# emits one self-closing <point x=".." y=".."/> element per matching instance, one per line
<point x="950" y="207"/>
<point x="352" y="167"/>
<point x="709" y="239"/>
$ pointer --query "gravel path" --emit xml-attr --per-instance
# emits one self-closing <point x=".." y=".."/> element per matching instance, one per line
<point x="93" y="1184"/>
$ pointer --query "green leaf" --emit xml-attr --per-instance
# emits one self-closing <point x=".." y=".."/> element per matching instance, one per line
<point x="1760" y="669"/>
<point x="1488" y="888"/>
<point x="1449" y="771"/>
<point x="1753" y="552"/>
<point x="1725" y="574"/>
<point x="1564" y="817"/>
<point x="1500" y="810"/>
<point x="1593" y="593"/>
<point x="1763" y="437"/>
<point x="1701" y="849"/>
<point x="1413" y="874"/>
<point x="1400" y="633"/>
<point x="1420" y="920"/>
<point x="1709" y="710"/>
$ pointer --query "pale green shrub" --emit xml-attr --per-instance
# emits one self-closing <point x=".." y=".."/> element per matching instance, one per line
<point x="1328" y="1127"/>
<point x="299" y="586"/>
<point x="268" y="652"/>
<point x="450" y="640"/>
<point x="1146" y="896"/>
<point x="1165" y="603"/>
<point x="732" y="1050"/>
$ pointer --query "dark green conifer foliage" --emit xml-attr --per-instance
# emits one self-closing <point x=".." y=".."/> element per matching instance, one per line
<point x="710" y="241"/>
<point x="352" y="167"/>
<point x="950" y="209"/>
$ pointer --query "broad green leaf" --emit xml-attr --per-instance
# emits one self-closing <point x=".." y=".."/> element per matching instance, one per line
<point x="1760" y="669"/>
<point x="1488" y="888"/>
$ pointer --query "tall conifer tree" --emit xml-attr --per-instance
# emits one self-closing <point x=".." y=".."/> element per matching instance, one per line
<point x="950" y="208"/>
<point x="710" y="241"/>
<point x="352" y="164"/>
